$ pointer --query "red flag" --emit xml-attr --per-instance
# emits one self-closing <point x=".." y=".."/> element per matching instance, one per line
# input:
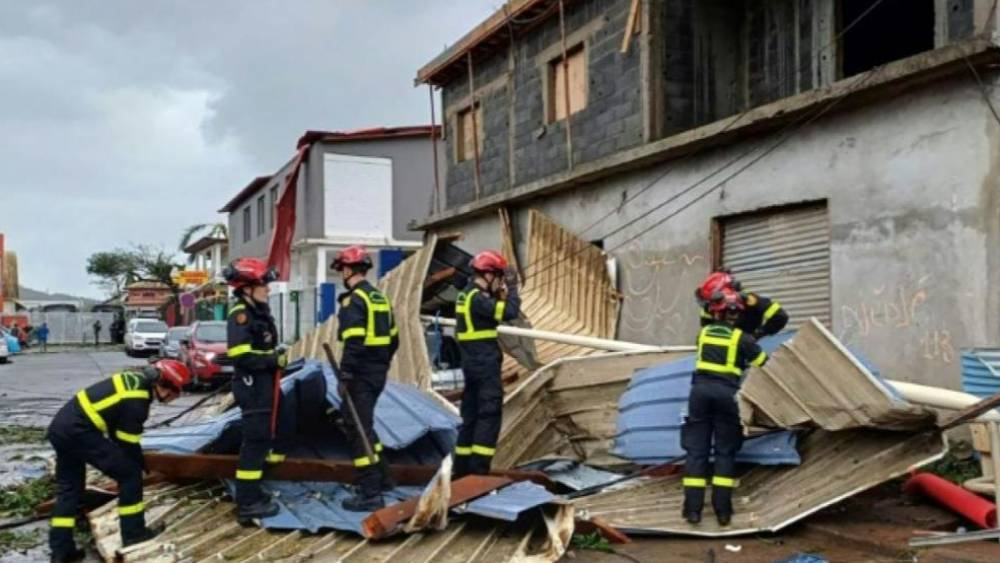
<point x="279" y="252"/>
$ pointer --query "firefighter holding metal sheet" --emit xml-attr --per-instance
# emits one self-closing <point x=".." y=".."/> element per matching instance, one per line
<point x="724" y="353"/>
<point x="257" y="362"/>
<point x="489" y="299"/>
<point x="367" y="328"/>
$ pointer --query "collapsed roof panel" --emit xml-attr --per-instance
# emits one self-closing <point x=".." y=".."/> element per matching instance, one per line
<point x="653" y="408"/>
<point x="814" y="380"/>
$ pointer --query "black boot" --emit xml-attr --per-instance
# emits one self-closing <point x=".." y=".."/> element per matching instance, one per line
<point x="76" y="555"/>
<point x="723" y="519"/>
<point x="692" y="517"/>
<point x="694" y="499"/>
<point x="362" y="502"/>
<point x="264" y="508"/>
<point x="145" y="535"/>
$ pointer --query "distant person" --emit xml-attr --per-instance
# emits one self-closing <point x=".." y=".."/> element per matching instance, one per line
<point x="97" y="333"/>
<point x="42" y="333"/>
<point x="15" y="331"/>
<point x="118" y="329"/>
<point x="29" y="331"/>
<point x="102" y="427"/>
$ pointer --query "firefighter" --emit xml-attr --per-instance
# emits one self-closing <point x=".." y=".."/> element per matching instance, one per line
<point x="102" y="426"/>
<point x="489" y="299"/>
<point x="257" y="361"/>
<point x="761" y="317"/>
<point x="367" y="329"/>
<point x="724" y="352"/>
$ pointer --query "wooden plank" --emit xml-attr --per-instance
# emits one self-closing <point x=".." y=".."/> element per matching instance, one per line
<point x="633" y="15"/>
<point x="971" y="412"/>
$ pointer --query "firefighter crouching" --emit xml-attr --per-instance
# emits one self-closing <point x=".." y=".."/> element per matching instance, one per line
<point x="101" y="427"/>
<point x="489" y="299"/>
<point x="724" y="352"/>
<point x="761" y="316"/>
<point x="367" y="329"/>
<point x="257" y="361"/>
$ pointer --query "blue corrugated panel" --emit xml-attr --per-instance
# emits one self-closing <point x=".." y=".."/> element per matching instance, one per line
<point x="571" y="473"/>
<point x="509" y="502"/>
<point x="981" y="371"/>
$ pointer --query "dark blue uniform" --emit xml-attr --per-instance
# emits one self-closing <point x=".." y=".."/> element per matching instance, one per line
<point x="367" y="328"/>
<point x="101" y="427"/>
<point x="477" y="315"/>
<point x="724" y="352"/>
<point x="252" y="340"/>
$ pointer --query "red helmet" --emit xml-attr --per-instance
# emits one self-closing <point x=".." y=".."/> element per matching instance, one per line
<point x="248" y="271"/>
<point x="729" y="301"/>
<point x="489" y="261"/>
<point x="714" y="284"/>
<point x="173" y="373"/>
<point x="356" y="255"/>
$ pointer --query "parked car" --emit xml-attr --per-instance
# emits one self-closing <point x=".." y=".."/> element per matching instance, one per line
<point x="144" y="336"/>
<point x="171" y="345"/>
<point x="4" y="352"/>
<point x="199" y="350"/>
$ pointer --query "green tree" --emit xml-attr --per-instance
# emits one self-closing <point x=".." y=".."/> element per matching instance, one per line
<point x="156" y="264"/>
<point x="113" y="269"/>
<point x="215" y="230"/>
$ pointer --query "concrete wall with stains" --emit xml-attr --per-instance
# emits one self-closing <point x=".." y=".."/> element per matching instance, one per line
<point x="911" y="187"/>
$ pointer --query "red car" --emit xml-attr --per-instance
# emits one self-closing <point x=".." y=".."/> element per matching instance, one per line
<point x="198" y="350"/>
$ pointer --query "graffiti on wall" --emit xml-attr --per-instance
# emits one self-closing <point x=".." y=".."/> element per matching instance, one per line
<point x="658" y="288"/>
<point x="901" y="311"/>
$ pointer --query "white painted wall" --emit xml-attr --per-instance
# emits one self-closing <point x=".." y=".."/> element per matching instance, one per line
<point x="357" y="198"/>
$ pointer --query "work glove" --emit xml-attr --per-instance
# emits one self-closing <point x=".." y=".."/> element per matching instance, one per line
<point x="511" y="279"/>
<point x="281" y="355"/>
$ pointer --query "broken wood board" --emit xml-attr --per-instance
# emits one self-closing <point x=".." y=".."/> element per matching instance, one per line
<point x="835" y="466"/>
<point x="813" y="380"/>
<point x="569" y="408"/>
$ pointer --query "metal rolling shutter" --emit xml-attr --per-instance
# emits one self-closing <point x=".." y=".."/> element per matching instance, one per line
<point x="784" y="255"/>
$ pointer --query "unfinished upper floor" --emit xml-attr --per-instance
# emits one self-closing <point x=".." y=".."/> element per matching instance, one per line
<point x="545" y="92"/>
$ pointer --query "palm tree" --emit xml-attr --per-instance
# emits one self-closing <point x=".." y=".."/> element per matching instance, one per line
<point x="216" y="230"/>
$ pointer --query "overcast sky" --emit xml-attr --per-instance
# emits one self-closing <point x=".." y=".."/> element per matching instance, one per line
<point x="125" y="121"/>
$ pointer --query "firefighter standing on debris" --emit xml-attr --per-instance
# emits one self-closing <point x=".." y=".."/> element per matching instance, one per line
<point x="724" y="352"/>
<point x="257" y="362"/>
<point x="102" y="426"/>
<point x="761" y="317"/>
<point x="367" y="329"/>
<point x="489" y="299"/>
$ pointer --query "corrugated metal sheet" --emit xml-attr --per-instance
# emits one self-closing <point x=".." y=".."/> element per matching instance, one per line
<point x="569" y="409"/>
<point x="509" y="502"/>
<point x="813" y="380"/>
<point x="784" y="255"/>
<point x="567" y="289"/>
<point x="572" y="474"/>
<point x="981" y="371"/>
<point x="652" y="410"/>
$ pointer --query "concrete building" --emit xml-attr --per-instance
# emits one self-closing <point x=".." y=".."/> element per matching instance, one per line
<point x="358" y="187"/>
<point x="840" y="155"/>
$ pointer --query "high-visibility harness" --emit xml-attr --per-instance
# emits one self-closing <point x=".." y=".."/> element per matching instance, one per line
<point x="376" y="303"/>
<point x="127" y="386"/>
<point x="726" y="338"/>
<point x="467" y="331"/>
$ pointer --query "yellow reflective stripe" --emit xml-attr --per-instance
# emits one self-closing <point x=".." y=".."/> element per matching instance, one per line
<point x="470" y="333"/>
<point x="62" y="522"/>
<point x="378" y="447"/>
<point x="131" y="509"/>
<point x="364" y="461"/>
<point x="698" y="482"/>
<point x="463" y="450"/>
<point x="759" y="360"/>
<point x="498" y="311"/>
<point x="723" y="482"/>
<point x="128" y="391"/>
<point x="236" y="308"/>
<point x="358" y="331"/>
<point x="249" y="474"/>
<point x="372" y="338"/>
<point x="274" y="458"/>
<point x="772" y="311"/>
<point x="706" y="315"/>
<point x="91" y="412"/>
<point x="734" y="346"/>
<point x="126" y="437"/>
<point x="731" y="344"/>
<point x="483" y="450"/>
<point x="241" y="349"/>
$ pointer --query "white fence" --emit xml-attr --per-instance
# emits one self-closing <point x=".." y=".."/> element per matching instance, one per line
<point x="73" y="328"/>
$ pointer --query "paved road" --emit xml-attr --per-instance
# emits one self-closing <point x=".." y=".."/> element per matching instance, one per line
<point x="34" y="386"/>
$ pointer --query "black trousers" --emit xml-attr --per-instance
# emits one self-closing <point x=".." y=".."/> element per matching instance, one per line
<point x="364" y="390"/>
<point x="713" y="416"/>
<point x="75" y="448"/>
<point x="256" y="401"/>
<point x="482" y="414"/>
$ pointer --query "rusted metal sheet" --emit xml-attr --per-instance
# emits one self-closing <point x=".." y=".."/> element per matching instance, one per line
<point x="387" y="521"/>
<point x="784" y="254"/>
<point x="835" y="466"/>
<point x="567" y="289"/>
<point x="569" y="408"/>
<point x="813" y="380"/>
